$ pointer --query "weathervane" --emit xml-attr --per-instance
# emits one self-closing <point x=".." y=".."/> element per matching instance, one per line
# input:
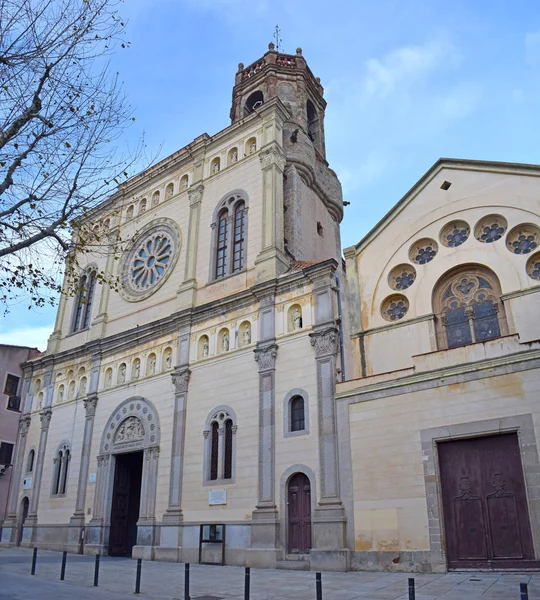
<point x="277" y="33"/>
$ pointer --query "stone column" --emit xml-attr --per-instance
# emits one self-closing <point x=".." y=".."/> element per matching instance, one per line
<point x="9" y="528"/>
<point x="186" y="292"/>
<point x="271" y="260"/>
<point x="146" y="525"/>
<point x="29" y="534"/>
<point x="78" y="519"/>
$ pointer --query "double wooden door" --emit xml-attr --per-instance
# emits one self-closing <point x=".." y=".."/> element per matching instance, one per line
<point x="484" y="502"/>
<point x="299" y="513"/>
<point x="125" y="503"/>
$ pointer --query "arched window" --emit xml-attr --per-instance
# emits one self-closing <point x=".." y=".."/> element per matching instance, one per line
<point x="219" y="435"/>
<point x="61" y="468"/>
<point x="83" y="301"/>
<point x="230" y="235"/>
<point x="30" y="462"/>
<point x="297" y="414"/>
<point x="221" y="251"/>
<point x="468" y="307"/>
<point x="239" y="231"/>
<point x="254" y="101"/>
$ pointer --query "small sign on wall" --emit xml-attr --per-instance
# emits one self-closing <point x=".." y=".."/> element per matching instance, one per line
<point x="27" y="483"/>
<point x="216" y="497"/>
<point x="92" y="478"/>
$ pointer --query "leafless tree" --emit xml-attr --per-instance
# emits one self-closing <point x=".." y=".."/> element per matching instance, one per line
<point x="62" y="112"/>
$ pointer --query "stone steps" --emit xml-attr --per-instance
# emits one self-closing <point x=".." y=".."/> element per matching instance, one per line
<point x="294" y="562"/>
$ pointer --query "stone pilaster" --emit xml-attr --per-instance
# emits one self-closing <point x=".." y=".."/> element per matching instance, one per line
<point x="9" y="529"/>
<point x="146" y="525"/>
<point x="78" y="519"/>
<point x="328" y="550"/>
<point x="186" y="292"/>
<point x="271" y="260"/>
<point x="99" y="324"/>
<point x="45" y="416"/>
<point x="97" y="531"/>
<point x="264" y="525"/>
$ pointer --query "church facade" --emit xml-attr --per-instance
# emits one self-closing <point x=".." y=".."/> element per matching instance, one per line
<point x="248" y="397"/>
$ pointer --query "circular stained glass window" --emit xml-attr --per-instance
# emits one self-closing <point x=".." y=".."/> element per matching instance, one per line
<point x="150" y="260"/>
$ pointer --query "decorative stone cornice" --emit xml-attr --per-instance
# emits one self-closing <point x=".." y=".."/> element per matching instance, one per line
<point x="273" y="155"/>
<point x="90" y="404"/>
<point x="24" y="424"/>
<point x="266" y="357"/>
<point x="195" y="194"/>
<point x="325" y="342"/>
<point x="180" y="379"/>
<point x="45" y="416"/>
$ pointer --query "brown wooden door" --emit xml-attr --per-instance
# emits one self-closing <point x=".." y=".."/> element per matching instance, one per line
<point x="299" y="501"/>
<point x="125" y="504"/>
<point x="484" y="502"/>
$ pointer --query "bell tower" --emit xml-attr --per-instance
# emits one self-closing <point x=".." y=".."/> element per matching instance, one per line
<point x="312" y="198"/>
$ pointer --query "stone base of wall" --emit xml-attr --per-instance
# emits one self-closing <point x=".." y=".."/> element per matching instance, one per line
<point x="411" y="561"/>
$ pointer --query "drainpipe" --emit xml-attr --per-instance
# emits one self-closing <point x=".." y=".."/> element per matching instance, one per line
<point x="340" y="317"/>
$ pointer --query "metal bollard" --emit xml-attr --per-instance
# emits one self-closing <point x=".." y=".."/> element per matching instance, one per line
<point x="247" y="583"/>
<point x="138" y="578"/>
<point x="186" y="582"/>
<point x="63" y="567"/>
<point x="96" y="570"/>
<point x="412" y="593"/>
<point x="524" y="591"/>
<point x="34" y="558"/>
<point x="318" y="584"/>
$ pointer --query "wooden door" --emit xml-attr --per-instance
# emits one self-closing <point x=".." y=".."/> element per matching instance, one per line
<point x="23" y="514"/>
<point x="299" y="513"/>
<point x="484" y="502"/>
<point x="125" y="504"/>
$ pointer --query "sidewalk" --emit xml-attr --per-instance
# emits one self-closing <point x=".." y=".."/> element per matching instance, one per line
<point x="165" y="581"/>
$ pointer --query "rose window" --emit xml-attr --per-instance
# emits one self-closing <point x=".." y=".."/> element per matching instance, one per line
<point x="490" y="229"/>
<point x="454" y="234"/>
<point x="402" y="277"/>
<point x="423" y="251"/>
<point x="395" y="308"/>
<point x="151" y="261"/>
<point x="533" y="266"/>
<point x="523" y="239"/>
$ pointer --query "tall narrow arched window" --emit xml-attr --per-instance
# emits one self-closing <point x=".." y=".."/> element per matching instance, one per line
<point x="60" y="470"/>
<point x="468" y="307"/>
<point x="219" y="450"/>
<point x="221" y="250"/>
<point x="214" y="455"/>
<point x="84" y="301"/>
<point x="239" y="232"/>
<point x="230" y="235"/>
<point x="297" y="414"/>
<point x="227" y="459"/>
<point x="30" y="463"/>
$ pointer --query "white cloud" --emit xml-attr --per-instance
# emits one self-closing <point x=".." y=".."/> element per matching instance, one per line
<point x="458" y="103"/>
<point x="400" y="69"/>
<point x="34" y="337"/>
<point x="532" y="48"/>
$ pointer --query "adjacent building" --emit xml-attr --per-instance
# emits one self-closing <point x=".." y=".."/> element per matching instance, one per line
<point x="246" y="397"/>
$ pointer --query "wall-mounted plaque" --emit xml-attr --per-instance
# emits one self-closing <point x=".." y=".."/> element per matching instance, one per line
<point x="216" y="497"/>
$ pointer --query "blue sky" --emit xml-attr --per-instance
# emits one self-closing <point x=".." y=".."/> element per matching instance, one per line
<point x="406" y="81"/>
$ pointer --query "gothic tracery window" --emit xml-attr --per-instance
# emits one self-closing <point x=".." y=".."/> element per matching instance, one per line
<point x="60" y="471"/>
<point x="219" y="440"/>
<point x="239" y="231"/>
<point x="221" y="260"/>
<point x="468" y="308"/>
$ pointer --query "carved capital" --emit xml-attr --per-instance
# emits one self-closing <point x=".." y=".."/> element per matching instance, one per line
<point x="273" y="156"/>
<point x="266" y="357"/>
<point x="195" y="194"/>
<point x="90" y="404"/>
<point x="181" y="380"/>
<point x="24" y="424"/>
<point x="45" y="416"/>
<point x="325" y="342"/>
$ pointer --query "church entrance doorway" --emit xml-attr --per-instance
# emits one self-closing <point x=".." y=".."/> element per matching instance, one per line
<point x="23" y="513"/>
<point x="125" y="503"/>
<point x="299" y="513"/>
<point x="484" y="500"/>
